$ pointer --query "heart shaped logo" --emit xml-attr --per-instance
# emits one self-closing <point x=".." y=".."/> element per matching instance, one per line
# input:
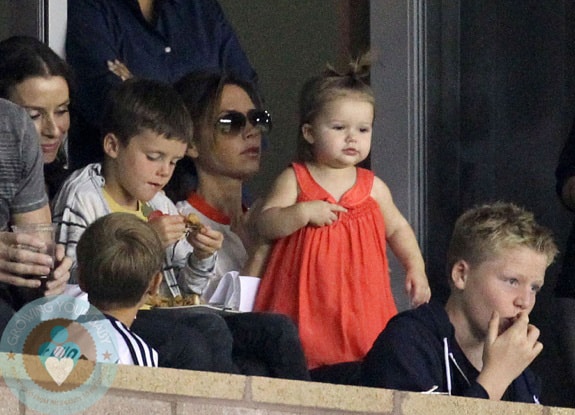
<point x="59" y="369"/>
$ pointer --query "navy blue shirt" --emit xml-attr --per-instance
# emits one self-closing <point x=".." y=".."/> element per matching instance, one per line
<point x="410" y="354"/>
<point x="186" y="35"/>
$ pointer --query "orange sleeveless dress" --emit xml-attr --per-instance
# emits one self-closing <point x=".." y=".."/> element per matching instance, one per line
<point x="333" y="281"/>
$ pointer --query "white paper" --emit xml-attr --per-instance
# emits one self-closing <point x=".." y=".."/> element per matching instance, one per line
<point x="236" y="291"/>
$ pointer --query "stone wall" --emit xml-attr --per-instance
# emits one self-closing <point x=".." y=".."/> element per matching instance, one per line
<point x="145" y="391"/>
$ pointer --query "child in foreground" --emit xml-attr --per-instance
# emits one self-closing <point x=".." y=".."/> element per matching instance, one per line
<point x="333" y="220"/>
<point x="481" y="343"/>
<point x="119" y="264"/>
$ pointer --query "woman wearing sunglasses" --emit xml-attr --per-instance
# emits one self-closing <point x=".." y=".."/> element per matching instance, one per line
<point x="228" y="128"/>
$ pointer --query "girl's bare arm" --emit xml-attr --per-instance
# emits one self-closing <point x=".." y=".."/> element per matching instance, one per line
<point x="403" y="243"/>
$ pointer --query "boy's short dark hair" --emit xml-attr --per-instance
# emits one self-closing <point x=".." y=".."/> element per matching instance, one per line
<point x="483" y="231"/>
<point x="118" y="255"/>
<point x="136" y="105"/>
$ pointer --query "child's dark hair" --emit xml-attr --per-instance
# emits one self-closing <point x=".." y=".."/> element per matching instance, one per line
<point x="330" y="85"/>
<point x="23" y="57"/>
<point x="136" y="105"/>
<point x="118" y="255"/>
<point x="202" y="93"/>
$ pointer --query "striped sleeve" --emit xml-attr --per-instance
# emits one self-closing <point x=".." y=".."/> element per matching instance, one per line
<point x="140" y="352"/>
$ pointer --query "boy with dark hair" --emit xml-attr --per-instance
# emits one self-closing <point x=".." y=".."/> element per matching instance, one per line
<point x="119" y="264"/>
<point x="146" y="130"/>
<point x="481" y="343"/>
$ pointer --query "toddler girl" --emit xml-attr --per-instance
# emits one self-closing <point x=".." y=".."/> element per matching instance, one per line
<point x="332" y="220"/>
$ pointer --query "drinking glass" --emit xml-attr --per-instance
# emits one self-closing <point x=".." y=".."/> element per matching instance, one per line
<point x="46" y="232"/>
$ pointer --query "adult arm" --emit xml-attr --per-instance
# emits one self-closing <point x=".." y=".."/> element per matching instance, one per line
<point x="22" y="169"/>
<point x="90" y="44"/>
<point x="18" y="265"/>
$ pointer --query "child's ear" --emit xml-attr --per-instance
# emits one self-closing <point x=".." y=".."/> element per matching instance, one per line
<point x="111" y="145"/>
<point x="155" y="284"/>
<point x="460" y="274"/>
<point x="307" y="132"/>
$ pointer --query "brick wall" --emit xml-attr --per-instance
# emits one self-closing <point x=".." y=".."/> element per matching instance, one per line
<point x="145" y="391"/>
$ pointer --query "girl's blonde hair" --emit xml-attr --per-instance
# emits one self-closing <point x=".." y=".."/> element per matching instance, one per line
<point x="320" y="90"/>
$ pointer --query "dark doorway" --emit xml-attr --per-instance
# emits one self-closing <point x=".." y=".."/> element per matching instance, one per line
<point x="502" y="75"/>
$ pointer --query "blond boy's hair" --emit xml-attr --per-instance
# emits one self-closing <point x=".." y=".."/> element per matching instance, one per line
<point x="481" y="233"/>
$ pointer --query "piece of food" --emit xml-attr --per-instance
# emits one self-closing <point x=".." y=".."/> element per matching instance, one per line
<point x="179" y="301"/>
<point x="193" y="222"/>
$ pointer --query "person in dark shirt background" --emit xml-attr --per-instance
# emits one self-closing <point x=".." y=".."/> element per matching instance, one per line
<point x="156" y="39"/>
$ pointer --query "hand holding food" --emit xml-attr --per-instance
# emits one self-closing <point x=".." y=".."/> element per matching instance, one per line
<point x="193" y="223"/>
<point x="206" y="241"/>
<point x="170" y="228"/>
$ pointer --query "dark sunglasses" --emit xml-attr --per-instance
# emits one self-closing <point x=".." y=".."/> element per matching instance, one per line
<point x="234" y="122"/>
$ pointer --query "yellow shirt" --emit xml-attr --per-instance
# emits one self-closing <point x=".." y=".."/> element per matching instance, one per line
<point x="116" y="207"/>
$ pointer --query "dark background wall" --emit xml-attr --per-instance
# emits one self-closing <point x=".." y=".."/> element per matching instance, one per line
<point x="501" y="83"/>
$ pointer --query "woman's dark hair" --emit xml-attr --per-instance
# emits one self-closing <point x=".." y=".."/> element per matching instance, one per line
<point x="23" y="57"/>
<point x="202" y="92"/>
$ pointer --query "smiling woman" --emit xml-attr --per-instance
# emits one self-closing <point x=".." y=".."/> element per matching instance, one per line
<point x="34" y="77"/>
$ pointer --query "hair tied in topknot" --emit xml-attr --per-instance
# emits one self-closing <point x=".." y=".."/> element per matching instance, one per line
<point x="358" y="70"/>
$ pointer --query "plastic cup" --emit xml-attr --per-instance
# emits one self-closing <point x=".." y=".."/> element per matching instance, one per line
<point x="45" y="232"/>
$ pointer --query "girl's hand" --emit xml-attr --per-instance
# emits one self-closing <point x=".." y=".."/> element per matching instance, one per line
<point x="205" y="242"/>
<point x="170" y="228"/>
<point x="320" y="212"/>
<point x="417" y="288"/>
